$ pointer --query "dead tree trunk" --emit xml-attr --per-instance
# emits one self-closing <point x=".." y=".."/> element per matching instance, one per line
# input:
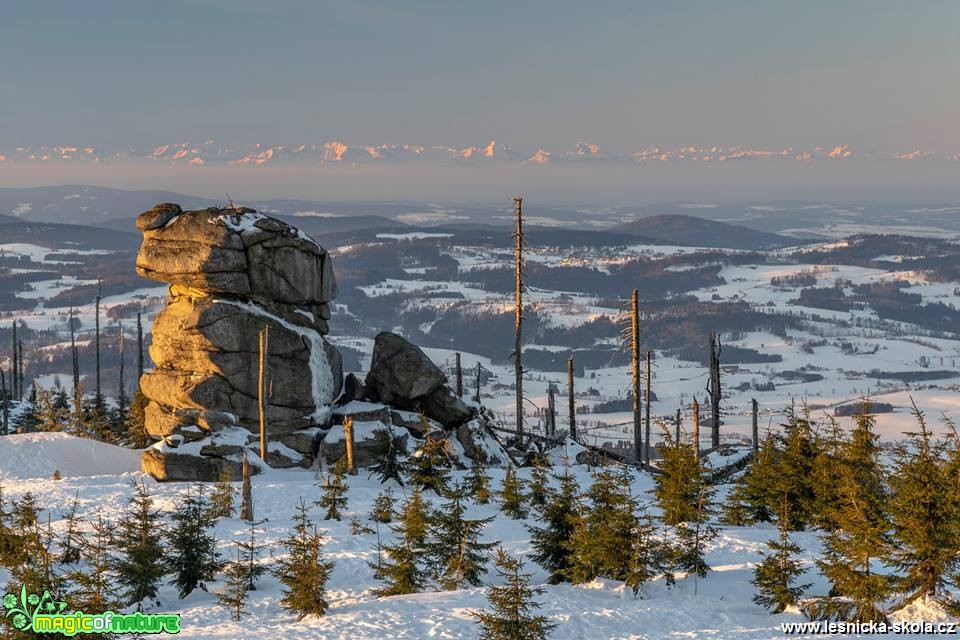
<point x="756" y="432"/>
<point x="571" y="400"/>
<point x="696" y="430"/>
<point x="262" y="391"/>
<point x="478" y="384"/>
<point x="139" y="349"/>
<point x="677" y="425"/>
<point x="348" y="438"/>
<point x="5" y="401"/>
<point x="246" y="493"/>
<point x="74" y="356"/>
<point x="16" y="366"/>
<point x="635" y="371"/>
<point x="551" y="410"/>
<point x="646" y="425"/>
<point x="518" y="311"/>
<point x="96" y="321"/>
<point x="20" y="373"/>
<point x="458" y="374"/>
<point x="713" y="389"/>
<point x="121" y="391"/>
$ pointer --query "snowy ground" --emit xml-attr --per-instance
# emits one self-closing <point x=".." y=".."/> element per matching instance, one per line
<point x="716" y="607"/>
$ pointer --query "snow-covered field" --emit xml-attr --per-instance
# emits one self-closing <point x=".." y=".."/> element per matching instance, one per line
<point x="718" y="606"/>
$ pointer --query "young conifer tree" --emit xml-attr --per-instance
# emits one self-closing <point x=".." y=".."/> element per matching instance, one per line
<point x="135" y="426"/>
<point x="454" y="548"/>
<point x="775" y="577"/>
<point x="925" y="514"/>
<point x="95" y="585"/>
<point x="429" y="466"/>
<point x="794" y="471"/>
<point x="678" y="486"/>
<point x="478" y="483"/>
<point x="539" y="485"/>
<point x="236" y="591"/>
<point x="334" y="498"/>
<point x="403" y="570"/>
<point x="512" y="605"/>
<point x="825" y="475"/>
<point x="550" y="542"/>
<point x="141" y="558"/>
<point x="194" y="559"/>
<point x="383" y="505"/>
<point x="760" y="482"/>
<point x="251" y="549"/>
<point x="70" y="541"/>
<point x="221" y="499"/>
<point x="303" y="572"/>
<point x="512" y="498"/>
<point x="387" y="451"/>
<point x="603" y="531"/>
<point x="693" y="536"/>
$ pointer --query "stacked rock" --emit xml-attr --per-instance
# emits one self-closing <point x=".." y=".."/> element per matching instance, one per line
<point x="233" y="272"/>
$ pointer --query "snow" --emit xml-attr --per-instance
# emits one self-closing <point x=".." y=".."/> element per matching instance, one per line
<point x="415" y="235"/>
<point x="38" y="455"/>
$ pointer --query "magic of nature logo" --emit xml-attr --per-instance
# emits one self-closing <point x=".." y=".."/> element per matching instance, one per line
<point x="45" y="614"/>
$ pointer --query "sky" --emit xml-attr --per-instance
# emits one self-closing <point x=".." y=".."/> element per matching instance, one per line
<point x="877" y="75"/>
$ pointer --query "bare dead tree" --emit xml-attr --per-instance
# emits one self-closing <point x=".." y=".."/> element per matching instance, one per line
<point x="571" y="400"/>
<point x="518" y="311"/>
<point x="478" y="383"/>
<point x="246" y="492"/>
<point x="713" y="389"/>
<point x="74" y="355"/>
<point x="348" y="437"/>
<point x="20" y="372"/>
<point x="635" y="374"/>
<point x="458" y="374"/>
<point x="16" y="365"/>
<point x="139" y="349"/>
<point x="97" y="335"/>
<point x="677" y="424"/>
<point x="696" y="430"/>
<point x="756" y="432"/>
<point x="551" y="410"/>
<point x="5" y="401"/>
<point x="262" y="391"/>
<point x="646" y="451"/>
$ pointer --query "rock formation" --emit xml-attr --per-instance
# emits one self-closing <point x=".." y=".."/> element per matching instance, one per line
<point x="233" y="272"/>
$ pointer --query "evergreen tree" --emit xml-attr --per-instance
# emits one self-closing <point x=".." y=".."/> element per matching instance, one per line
<point x="8" y="542"/>
<point x="135" y="426"/>
<point x="334" y="498"/>
<point x="455" y="550"/>
<point x="250" y="549"/>
<point x="50" y="416"/>
<point x="678" y="486"/>
<point x="221" y="500"/>
<point x="94" y="585"/>
<point x="235" y="593"/>
<point x="403" y="570"/>
<point x="760" y="482"/>
<point x="29" y="418"/>
<point x="825" y="477"/>
<point x="386" y="451"/>
<point x="693" y="536"/>
<point x="141" y="560"/>
<point x="512" y="500"/>
<point x="550" y="542"/>
<point x="512" y="605"/>
<point x="539" y="487"/>
<point x="776" y="575"/>
<point x="70" y="542"/>
<point x="603" y="531"/>
<point x="794" y="471"/>
<point x="35" y="570"/>
<point x="303" y="573"/>
<point x="382" y="511"/>
<point x="478" y="483"/>
<point x="193" y="549"/>
<point x="645" y="561"/>
<point x="925" y="516"/>
<point x="429" y="466"/>
<point x="95" y="420"/>
<point x="736" y="512"/>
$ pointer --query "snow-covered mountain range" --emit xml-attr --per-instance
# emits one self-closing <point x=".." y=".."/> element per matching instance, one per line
<point x="337" y="152"/>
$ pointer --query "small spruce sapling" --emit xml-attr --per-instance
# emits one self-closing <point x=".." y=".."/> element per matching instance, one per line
<point x="512" y="499"/>
<point x="512" y="605"/>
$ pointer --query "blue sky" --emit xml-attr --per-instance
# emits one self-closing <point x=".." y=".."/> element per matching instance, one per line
<point x="871" y="74"/>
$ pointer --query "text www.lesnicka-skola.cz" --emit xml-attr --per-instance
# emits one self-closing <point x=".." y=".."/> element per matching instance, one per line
<point x="825" y="627"/>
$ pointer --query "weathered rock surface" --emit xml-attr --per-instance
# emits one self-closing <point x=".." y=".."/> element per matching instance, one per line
<point x="232" y="273"/>
<point x="402" y="375"/>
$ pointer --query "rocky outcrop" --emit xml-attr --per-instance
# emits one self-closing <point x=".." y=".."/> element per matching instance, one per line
<point x="402" y="375"/>
<point x="232" y="273"/>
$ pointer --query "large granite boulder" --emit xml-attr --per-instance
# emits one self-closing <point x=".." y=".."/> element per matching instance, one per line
<point x="234" y="272"/>
<point x="402" y="375"/>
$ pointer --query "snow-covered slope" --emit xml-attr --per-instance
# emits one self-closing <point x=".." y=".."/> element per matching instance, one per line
<point x="38" y="455"/>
